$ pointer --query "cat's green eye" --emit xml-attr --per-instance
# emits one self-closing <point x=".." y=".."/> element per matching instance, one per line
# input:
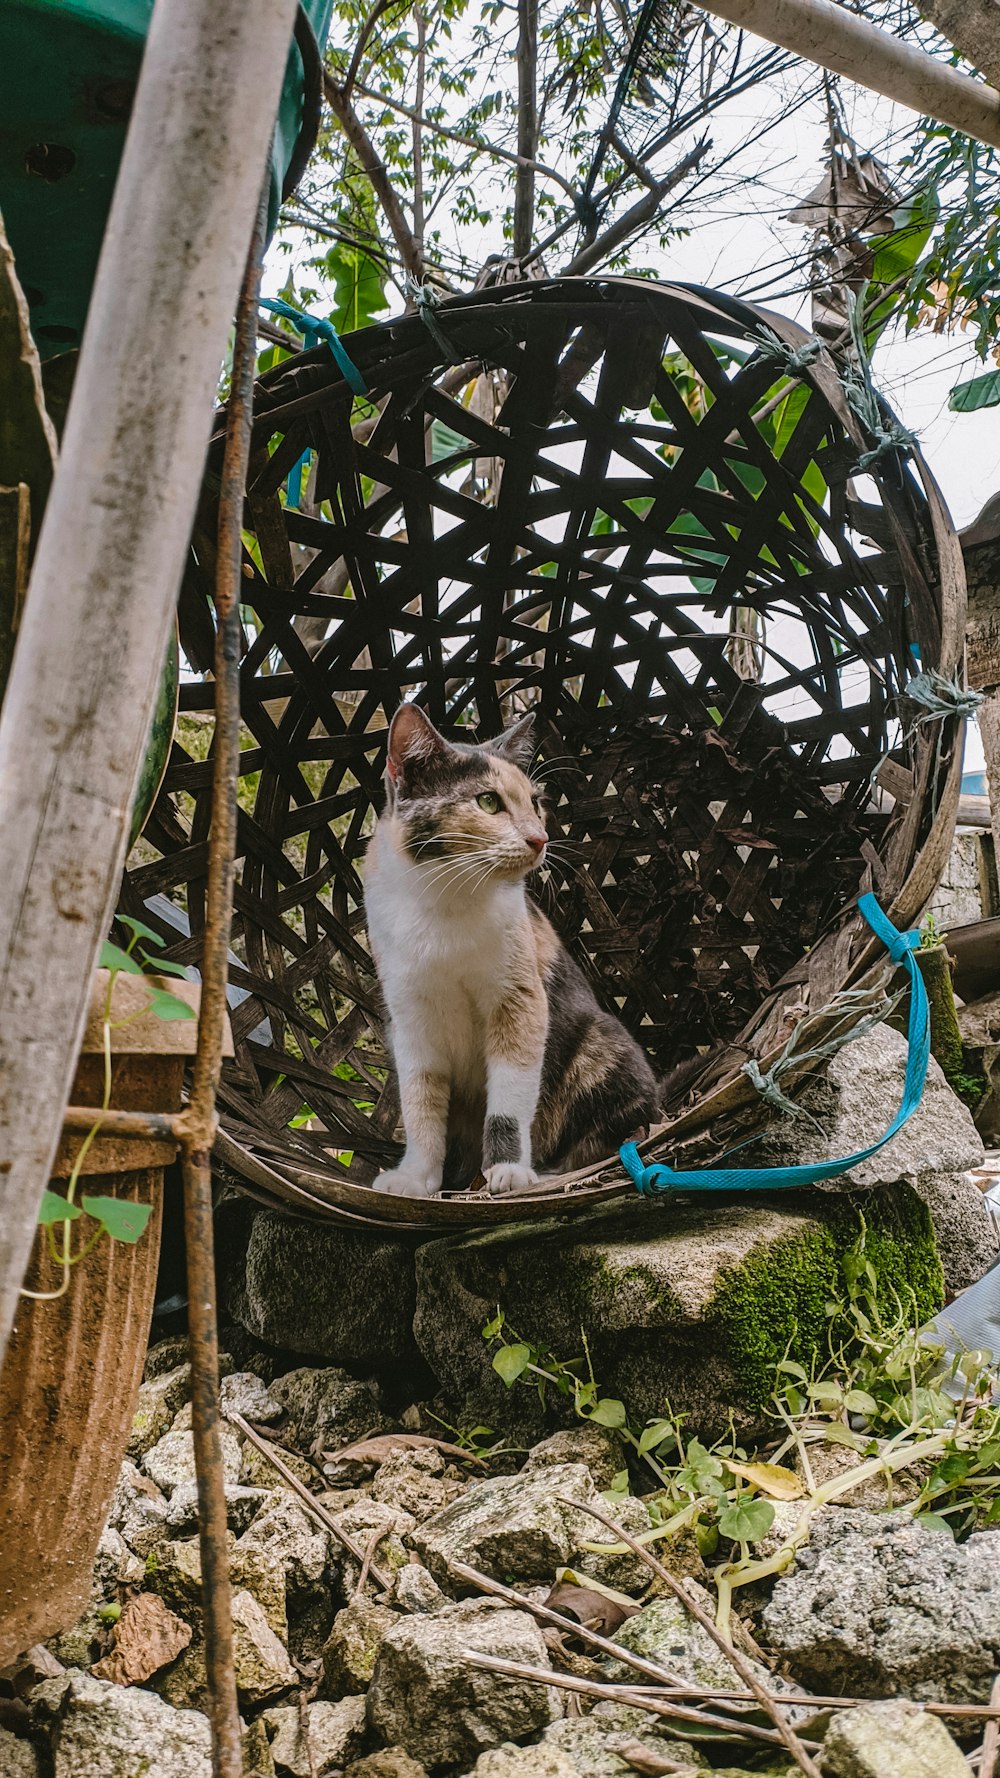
<point x="490" y="802"/>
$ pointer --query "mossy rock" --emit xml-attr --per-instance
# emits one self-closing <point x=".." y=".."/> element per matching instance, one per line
<point x="691" y="1304"/>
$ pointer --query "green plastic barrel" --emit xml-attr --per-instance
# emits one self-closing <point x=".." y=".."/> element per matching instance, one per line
<point x="68" y="71"/>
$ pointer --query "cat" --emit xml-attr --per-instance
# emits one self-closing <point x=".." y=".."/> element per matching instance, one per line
<point x="506" y="1062"/>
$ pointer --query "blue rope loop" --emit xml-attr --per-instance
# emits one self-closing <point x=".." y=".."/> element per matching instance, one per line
<point x="313" y="329"/>
<point x="657" y="1180"/>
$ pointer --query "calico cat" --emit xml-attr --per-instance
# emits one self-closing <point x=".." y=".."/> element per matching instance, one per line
<point x="505" y="1060"/>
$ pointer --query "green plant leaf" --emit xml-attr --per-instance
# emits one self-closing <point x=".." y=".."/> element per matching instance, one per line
<point x="511" y="1361"/>
<point x="608" y="1413"/>
<point x="164" y="966"/>
<point x="138" y="929"/>
<point x="165" y="1005"/>
<point x="979" y="392"/>
<point x="747" y="1521"/>
<point x="493" y="1327"/>
<point x="113" y="957"/>
<point x="934" y="1522"/>
<point x="53" y="1208"/>
<point x="123" y="1220"/>
<point x="358" y="287"/>
<point x="858" y="1401"/>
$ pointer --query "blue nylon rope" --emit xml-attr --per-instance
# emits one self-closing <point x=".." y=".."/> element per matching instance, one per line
<point x="313" y="329"/>
<point x="656" y="1179"/>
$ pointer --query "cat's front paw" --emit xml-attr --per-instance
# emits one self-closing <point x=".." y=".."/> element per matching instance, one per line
<point x="407" y="1183"/>
<point x="507" y="1176"/>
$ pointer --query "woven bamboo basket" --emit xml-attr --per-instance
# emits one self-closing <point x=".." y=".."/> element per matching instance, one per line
<point x="622" y="505"/>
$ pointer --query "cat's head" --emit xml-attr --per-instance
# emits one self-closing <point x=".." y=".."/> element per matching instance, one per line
<point x="450" y="799"/>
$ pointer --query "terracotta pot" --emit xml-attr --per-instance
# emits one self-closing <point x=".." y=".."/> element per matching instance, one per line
<point x="71" y="1376"/>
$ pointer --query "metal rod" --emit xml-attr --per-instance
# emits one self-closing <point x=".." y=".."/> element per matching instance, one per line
<point x="836" y="39"/>
<point x="156" y="1126"/>
<point x="200" y="1123"/>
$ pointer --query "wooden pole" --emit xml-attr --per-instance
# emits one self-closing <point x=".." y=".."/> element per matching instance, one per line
<point x="834" y="38"/>
<point x="100" y="602"/>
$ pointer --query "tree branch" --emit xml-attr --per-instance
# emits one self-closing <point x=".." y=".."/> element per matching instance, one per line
<point x="372" y="164"/>
<point x="364" y="38"/>
<point x="638" y="215"/>
<point x="490" y="148"/>
<point x="527" y="124"/>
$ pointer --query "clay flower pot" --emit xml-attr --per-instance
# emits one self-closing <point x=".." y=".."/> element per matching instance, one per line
<point x="71" y="1376"/>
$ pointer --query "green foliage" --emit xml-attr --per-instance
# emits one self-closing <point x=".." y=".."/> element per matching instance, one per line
<point x="358" y="287"/>
<point x="879" y="1387"/>
<point x="118" y="1218"/>
<point x="979" y="392"/>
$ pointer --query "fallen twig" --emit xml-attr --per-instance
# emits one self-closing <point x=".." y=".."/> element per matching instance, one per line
<point x="308" y="1500"/>
<point x="377" y="1446"/>
<point x="764" y="1698"/>
<point x="991" y="1739"/>
<point x="589" y="1688"/>
<point x="371" y="1547"/>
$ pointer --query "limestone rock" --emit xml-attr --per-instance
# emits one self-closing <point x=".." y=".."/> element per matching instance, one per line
<point x="18" y="1759"/>
<point x="361" y="1521"/>
<point x="290" y="1540"/>
<point x="243" y="1393"/>
<point x="543" y="1760"/>
<point x="593" y="1743"/>
<point x="664" y="1631"/>
<point x="414" y="1480"/>
<point x="518" y="1525"/>
<point x="334" y="1736"/>
<point x="98" y="1730"/>
<point x="257" y="1470"/>
<point x="171" y="1460"/>
<point x="257" y="1761"/>
<point x="115" y="1565"/>
<point x="892" y="1739"/>
<point x="166" y="1355"/>
<point x="855" y="1100"/>
<point x="417" y="1590"/>
<point x="595" y="1446"/>
<point x="327" y="1406"/>
<point x="696" y="1307"/>
<point x="426" y="1696"/>
<point x="352" y="1646"/>
<point x="341" y="1295"/>
<point x="389" y="1762"/>
<point x="83" y="1642"/>
<point x="263" y="1669"/>
<point x="964" y="1229"/>
<point x="878" y="1604"/>
<point x="138" y="1511"/>
<point x="242" y="1507"/>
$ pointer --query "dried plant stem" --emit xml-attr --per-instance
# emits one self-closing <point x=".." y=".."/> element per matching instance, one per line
<point x="742" y="1666"/>
<point x="991" y="1739"/>
<point x="590" y="1688"/>
<point x="545" y="1615"/>
<point x="309" y="1501"/>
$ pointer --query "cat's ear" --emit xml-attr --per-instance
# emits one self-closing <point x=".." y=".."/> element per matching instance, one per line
<point x="412" y="737"/>
<point x="517" y="743"/>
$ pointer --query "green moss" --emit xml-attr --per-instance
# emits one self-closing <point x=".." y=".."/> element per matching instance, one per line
<point x="775" y="1301"/>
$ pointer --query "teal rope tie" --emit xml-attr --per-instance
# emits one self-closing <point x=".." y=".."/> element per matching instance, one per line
<point x="656" y="1180"/>
<point x="313" y="329"/>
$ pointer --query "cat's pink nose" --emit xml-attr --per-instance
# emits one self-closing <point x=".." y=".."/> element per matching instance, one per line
<point x="537" y="840"/>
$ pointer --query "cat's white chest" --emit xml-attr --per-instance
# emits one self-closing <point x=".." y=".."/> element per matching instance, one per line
<point x="444" y="962"/>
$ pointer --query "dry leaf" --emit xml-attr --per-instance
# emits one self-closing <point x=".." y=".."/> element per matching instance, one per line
<point x="769" y="1479"/>
<point x="374" y="1451"/>
<point x="145" y="1638"/>
<point x="594" y="1610"/>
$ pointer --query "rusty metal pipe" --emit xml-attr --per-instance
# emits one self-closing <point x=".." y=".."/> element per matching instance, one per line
<point x="199" y="1122"/>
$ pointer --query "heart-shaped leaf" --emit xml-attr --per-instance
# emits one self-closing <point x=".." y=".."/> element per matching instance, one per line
<point x="53" y="1208"/>
<point x="511" y="1361"/>
<point x="165" y="1005"/>
<point x="123" y="1220"/>
<point x="113" y="957"/>
<point x="747" y="1521"/>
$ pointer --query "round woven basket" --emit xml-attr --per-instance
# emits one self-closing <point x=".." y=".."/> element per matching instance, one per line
<point x="639" y="510"/>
